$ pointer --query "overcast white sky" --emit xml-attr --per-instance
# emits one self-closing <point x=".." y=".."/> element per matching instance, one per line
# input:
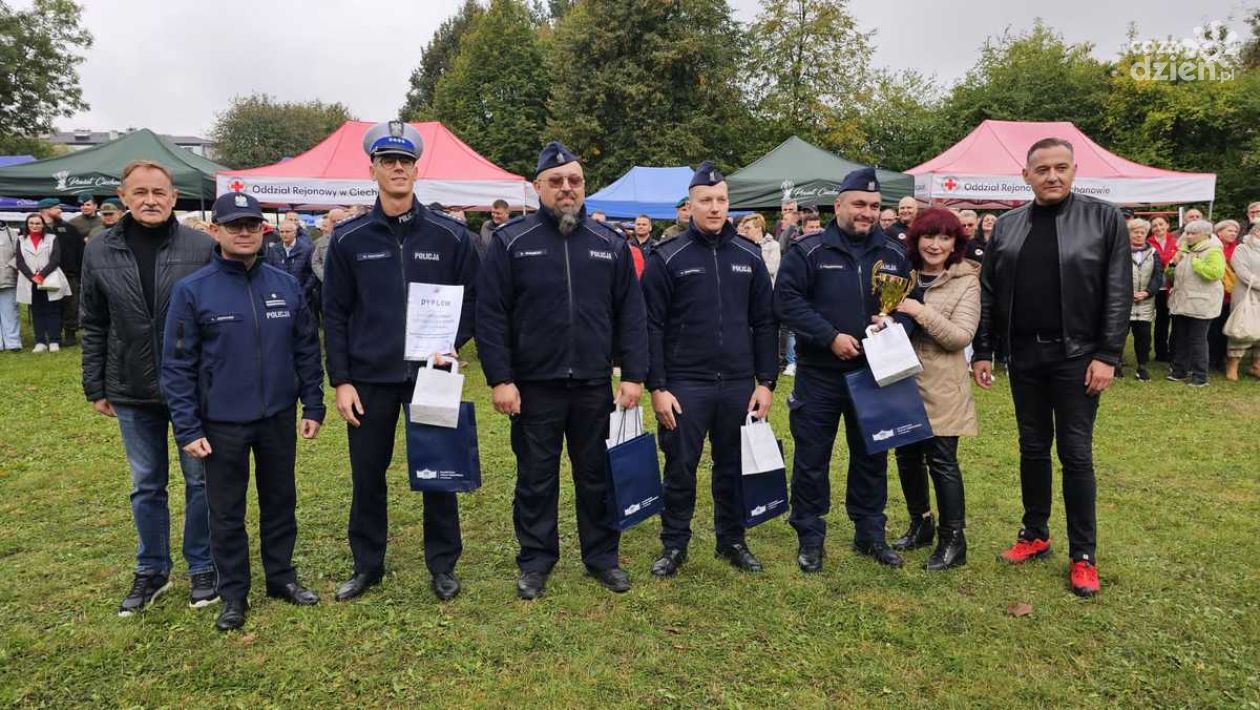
<point x="170" y="65"/>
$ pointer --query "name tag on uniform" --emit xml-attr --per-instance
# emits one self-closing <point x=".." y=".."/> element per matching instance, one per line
<point x="691" y="272"/>
<point x="741" y="268"/>
<point x="524" y="254"/>
<point x="427" y="256"/>
<point x="837" y="267"/>
<point x="221" y="318"/>
<point x="371" y="256"/>
<point x="605" y="255"/>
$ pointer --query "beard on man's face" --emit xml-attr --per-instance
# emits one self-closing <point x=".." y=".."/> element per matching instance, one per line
<point x="566" y="218"/>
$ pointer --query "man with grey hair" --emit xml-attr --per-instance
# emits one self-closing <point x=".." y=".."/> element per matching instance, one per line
<point x="1055" y="295"/>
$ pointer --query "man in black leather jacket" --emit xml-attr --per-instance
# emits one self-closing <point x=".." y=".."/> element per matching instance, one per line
<point x="128" y="275"/>
<point x="1055" y="294"/>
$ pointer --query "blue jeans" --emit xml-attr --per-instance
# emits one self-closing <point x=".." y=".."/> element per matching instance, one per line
<point x="789" y="350"/>
<point x="144" y="434"/>
<point x="10" y="334"/>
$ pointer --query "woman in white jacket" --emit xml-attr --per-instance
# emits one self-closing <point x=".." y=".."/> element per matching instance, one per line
<point x="40" y="282"/>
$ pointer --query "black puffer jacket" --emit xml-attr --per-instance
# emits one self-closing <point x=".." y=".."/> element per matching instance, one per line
<point x="121" y="338"/>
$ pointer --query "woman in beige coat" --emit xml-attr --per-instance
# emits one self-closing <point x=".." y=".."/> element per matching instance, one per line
<point x="946" y="318"/>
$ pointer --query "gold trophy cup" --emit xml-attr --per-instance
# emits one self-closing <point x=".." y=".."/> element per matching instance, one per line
<point x="890" y="288"/>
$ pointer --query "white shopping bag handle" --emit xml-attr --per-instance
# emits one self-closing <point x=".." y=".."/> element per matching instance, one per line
<point x="638" y="421"/>
<point x="451" y="358"/>
<point x="750" y="420"/>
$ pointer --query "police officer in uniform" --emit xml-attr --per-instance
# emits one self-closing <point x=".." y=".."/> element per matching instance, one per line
<point x="558" y="302"/>
<point x="823" y="294"/>
<point x="371" y="260"/>
<point x="240" y="347"/>
<point x="712" y="363"/>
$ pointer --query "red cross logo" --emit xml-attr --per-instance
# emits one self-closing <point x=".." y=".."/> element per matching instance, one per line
<point x="236" y="185"/>
<point x="950" y="184"/>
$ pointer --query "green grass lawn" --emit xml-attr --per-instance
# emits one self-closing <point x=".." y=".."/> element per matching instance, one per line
<point x="1177" y="623"/>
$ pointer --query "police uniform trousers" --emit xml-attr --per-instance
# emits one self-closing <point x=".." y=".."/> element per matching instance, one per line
<point x="273" y="443"/>
<point x="551" y="413"/>
<point x="819" y="400"/>
<point x="1052" y="408"/>
<point x="371" y="450"/>
<point x="717" y="409"/>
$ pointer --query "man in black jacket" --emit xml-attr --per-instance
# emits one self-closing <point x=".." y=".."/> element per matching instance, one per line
<point x="713" y="362"/>
<point x="372" y="261"/>
<point x="70" y="242"/>
<point x="557" y="302"/>
<point x="128" y="275"/>
<point x="1056" y="292"/>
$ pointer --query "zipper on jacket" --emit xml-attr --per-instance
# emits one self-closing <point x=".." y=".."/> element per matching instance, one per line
<point x="717" y="274"/>
<point x="253" y="310"/>
<point x="402" y="274"/>
<point x="568" y="280"/>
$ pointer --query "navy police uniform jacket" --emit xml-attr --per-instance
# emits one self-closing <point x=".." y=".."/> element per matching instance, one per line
<point x="709" y="310"/>
<point x="824" y="288"/>
<point x="240" y="345"/>
<point x="552" y="307"/>
<point x="370" y="262"/>
<point x="296" y="263"/>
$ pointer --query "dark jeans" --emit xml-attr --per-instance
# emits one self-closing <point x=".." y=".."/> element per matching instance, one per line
<point x="818" y="402"/>
<point x="371" y="450"/>
<point x="1053" y="408"/>
<point x="551" y="413"/>
<point x="1190" y="347"/>
<point x="144" y="434"/>
<point x="716" y="409"/>
<point x="273" y="442"/>
<point x="1163" y="321"/>
<point x="1217" y="343"/>
<point x="1141" y="341"/>
<point x="938" y="457"/>
<point x="45" y="317"/>
<point x="70" y="308"/>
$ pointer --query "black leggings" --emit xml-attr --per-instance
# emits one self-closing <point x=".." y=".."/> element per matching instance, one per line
<point x="938" y="457"/>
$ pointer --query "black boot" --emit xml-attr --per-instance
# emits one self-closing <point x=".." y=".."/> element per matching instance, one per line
<point x="951" y="550"/>
<point x="922" y="530"/>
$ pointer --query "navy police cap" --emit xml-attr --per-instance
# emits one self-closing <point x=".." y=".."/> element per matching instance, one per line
<point x="861" y="180"/>
<point x="234" y="206"/>
<point x="707" y="175"/>
<point x="393" y="138"/>
<point x="553" y="155"/>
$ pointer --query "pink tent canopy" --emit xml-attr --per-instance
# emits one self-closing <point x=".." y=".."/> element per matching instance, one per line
<point x="983" y="170"/>
<point x="335" y="172"/>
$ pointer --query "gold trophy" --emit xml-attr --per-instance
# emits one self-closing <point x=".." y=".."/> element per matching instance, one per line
<point x="890" y="288"/>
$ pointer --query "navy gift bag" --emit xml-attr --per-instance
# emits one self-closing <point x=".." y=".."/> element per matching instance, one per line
<point x="634" y="480"/>
<point x="889" y="417"/>
<point x="444" y="460"/>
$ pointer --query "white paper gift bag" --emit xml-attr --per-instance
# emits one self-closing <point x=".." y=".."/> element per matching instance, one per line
<point x="890" y="354"/>
<point x="623" y="425"/>
<point x="759" y="451"/>
<point x="435" y="400"/>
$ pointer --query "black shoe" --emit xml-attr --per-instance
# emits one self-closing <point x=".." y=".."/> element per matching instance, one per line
<point x="531" y="585"/>
<point x="613" y="579"/>
<point x="232" y="615"/>
<point x="951" y="550"/>
<point x="740" y="557"/>
<point x="922" y="530"/>
<point x="810" y="558"/>
<point x="1119" y="373"/>
<point x="204" y="591"/>
<point x="1143" y="375"/>
<point x="1175" y="377"/>
<point x="294" y="593"/>
<point x="445" y="586"/>
<point x="880" y="552"/>
<point x="668" y="562"/>
<point x="145" y="589"/>
<point x="355" y="586"/>
<point x="1196" y="383"/>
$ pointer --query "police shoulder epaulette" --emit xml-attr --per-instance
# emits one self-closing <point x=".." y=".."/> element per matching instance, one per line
<point x="347" y="227"/>
<point x="448" y="223"/>
<point x="747" y="246"/>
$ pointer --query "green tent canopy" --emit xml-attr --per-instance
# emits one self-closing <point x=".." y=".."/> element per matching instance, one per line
<point x="801" y="171"/>
<point x="99" y="170"/>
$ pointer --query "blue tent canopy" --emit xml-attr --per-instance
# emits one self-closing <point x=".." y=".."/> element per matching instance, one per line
<point x="7" y="160"/>
<point x="649" y="191"/>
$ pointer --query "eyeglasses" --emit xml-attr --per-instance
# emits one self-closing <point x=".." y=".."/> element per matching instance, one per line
<point x="242" y="226"/>
<point x="556" y="182"/>
<point x="389" y="161"/>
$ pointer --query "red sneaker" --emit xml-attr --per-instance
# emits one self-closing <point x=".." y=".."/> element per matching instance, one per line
<point x="1084" y="578"/>
<point x="1024" y="550"/>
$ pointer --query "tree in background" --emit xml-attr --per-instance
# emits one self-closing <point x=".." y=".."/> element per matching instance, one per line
<point x="258" y="130"/>
<point x="808" y="71"/>
<point x="436" y="59"/>
<point x="901" y="120"/>
<point x="39" y="80"/>
<point x="1032" y="76"/>
<point x="650" y="83"/>
<point x="494" y="96"/>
